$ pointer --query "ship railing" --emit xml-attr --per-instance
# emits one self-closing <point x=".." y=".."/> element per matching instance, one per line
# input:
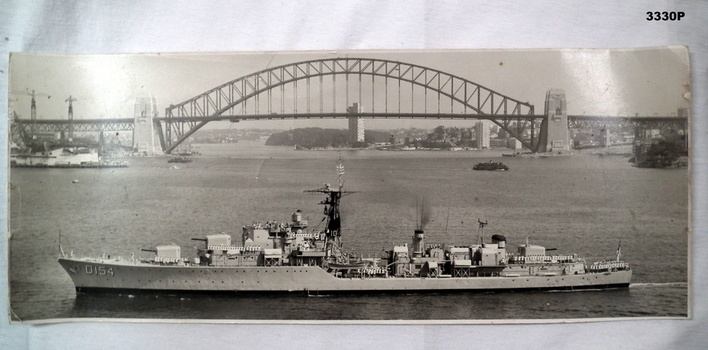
<point x="102" y="259"/>
<point x="225" y="247"/>
<point x="270" y="225"/>
<point x="608" y="265"/>
<point x="234" y="248"/>
<point x="372" y="271"/>
<point x="520" y="259"/>
<point x="169" y="260"/>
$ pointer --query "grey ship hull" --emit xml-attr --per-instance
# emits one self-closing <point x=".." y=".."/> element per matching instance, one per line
<point x="121" y="276"/>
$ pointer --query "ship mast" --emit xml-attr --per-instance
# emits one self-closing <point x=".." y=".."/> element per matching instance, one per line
<point x="480" y="231"/>
<point x="333" y="227"/>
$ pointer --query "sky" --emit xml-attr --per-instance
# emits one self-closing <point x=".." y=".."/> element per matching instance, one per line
<point x="597" y="82"/>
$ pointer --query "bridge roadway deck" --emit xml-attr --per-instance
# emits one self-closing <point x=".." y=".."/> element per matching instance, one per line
<point x="608" y="119"/>
<point x="574" y="121"/>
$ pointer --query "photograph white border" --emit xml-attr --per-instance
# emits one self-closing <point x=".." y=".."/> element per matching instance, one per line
<point x="166" y="26"/>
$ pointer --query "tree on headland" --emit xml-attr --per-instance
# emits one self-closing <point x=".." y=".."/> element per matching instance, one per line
<point x="323" y="138"/>
<point x="661" y="154"/>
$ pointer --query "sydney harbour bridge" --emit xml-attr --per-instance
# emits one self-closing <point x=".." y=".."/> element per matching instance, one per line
<point x="328" y="88"/>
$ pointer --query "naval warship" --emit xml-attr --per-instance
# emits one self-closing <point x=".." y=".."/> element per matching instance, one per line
<point x="291" y="257"/>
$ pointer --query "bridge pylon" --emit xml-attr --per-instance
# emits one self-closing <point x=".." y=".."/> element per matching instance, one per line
<point x="481" y="131"/>
<point x="356" y="124"/>
<point x="144" y="130"/>
<point x="554" y="128"/>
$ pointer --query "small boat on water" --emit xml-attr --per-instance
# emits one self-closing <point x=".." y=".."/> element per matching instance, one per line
<point x="180" y="159"/>
<point x="497" y="166"/>
<point x="516" y="154"/>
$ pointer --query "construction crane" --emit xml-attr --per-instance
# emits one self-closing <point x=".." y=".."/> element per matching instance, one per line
<point x="71" y="118"/>
<point x="33" y="109"/>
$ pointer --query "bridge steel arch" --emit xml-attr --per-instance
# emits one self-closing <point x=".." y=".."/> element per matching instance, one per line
<point x="273" y="93"/>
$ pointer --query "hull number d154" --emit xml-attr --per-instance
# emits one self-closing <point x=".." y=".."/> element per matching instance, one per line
<point x="98" y="270"/>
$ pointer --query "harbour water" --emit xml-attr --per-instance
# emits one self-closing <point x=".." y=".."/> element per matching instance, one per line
<point x="581" y="204"/>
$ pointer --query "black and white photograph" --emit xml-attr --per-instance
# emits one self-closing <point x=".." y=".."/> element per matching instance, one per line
<point x="353" y="174"/>
<point x="458" y="186"/>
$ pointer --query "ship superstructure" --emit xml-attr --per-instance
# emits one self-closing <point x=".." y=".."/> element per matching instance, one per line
<point x="275" y="256"/>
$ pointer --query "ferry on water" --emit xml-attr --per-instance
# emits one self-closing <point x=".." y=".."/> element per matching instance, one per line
<point x="491" y="166"/>
<point x="291" y="257"/>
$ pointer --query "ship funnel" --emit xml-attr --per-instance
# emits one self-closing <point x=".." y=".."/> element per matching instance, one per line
<point x="418" y="242"/>
<point x="500" y="240"/>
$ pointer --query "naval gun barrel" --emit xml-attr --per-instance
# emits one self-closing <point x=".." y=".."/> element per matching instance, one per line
<point x="149" y="250"/>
